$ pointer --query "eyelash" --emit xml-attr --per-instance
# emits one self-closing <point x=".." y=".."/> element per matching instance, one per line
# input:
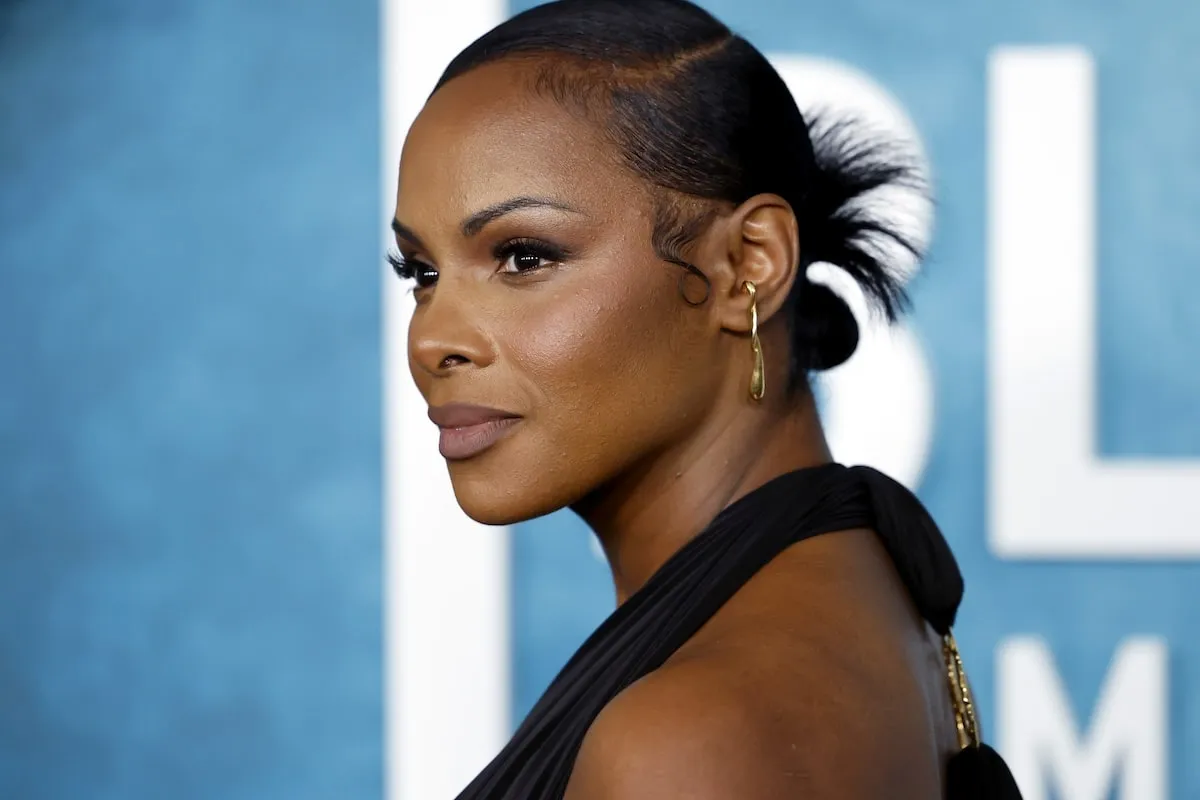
<point x="543" y="251"/>
<point x="405" y="268"/>
<point x="414" y="270"/>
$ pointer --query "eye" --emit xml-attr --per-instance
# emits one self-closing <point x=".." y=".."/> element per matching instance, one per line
<point x="526" y="255"/>
<point x="419" y="272"/>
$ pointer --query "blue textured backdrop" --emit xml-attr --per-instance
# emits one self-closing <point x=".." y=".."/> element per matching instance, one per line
<point x="189" y="420"/>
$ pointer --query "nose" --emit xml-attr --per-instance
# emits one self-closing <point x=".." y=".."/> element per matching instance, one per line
<point x="445" y="336"/>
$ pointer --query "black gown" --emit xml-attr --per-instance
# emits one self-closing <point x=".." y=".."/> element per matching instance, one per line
<point x="641" y="634"/>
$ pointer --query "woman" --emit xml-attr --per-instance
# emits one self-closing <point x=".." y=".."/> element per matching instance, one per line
<point x="607" y="210"/>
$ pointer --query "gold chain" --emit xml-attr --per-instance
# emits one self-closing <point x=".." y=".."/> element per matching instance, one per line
<point x="960" y="695"/>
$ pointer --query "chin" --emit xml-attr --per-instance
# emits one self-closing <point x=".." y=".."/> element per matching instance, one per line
<point x="495" y="493"/>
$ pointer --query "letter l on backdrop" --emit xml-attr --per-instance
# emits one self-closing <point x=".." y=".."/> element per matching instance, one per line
<point x="1050" y="494"/>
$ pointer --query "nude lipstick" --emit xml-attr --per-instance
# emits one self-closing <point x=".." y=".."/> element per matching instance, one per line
<point x="468" y="430"/>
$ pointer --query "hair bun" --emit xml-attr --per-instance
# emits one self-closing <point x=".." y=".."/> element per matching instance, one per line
<point x="825" y="331"/>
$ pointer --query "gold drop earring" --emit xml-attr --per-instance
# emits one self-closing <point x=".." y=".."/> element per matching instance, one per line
<point x="758" y="379"/>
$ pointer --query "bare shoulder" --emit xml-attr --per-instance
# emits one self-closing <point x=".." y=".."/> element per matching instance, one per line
<point x="716" y="726"/>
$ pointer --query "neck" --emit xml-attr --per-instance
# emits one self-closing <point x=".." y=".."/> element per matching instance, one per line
<point x="646" y="515"/>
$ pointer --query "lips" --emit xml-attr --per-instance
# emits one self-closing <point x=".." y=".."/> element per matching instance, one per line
<point x="468" y="430"/>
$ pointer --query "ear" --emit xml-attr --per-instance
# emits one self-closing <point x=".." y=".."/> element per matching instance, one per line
<point x="763" y="246"/>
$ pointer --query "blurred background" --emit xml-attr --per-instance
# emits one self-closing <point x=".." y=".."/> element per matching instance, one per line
<point x="228" y="566"/>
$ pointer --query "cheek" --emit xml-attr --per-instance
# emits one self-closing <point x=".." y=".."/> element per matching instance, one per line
<point x="614" y="366"/>
<point x="582" y="340"/>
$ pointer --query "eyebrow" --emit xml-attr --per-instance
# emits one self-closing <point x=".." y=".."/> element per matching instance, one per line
<point x="473" y="224"/>
<point x="480" y="219"/>
<point x="405" y="232"/>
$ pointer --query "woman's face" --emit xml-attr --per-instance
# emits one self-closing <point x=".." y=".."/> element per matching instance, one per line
<point x="539" y="296"/>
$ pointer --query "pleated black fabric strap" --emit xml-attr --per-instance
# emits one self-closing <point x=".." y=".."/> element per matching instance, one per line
<point x="687" y="590"/>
